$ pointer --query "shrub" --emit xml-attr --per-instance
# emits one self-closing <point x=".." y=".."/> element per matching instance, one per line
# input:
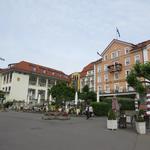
<point x="8" y="104"/>
<point x="140" y="116"/>
<point x="126" y="104"/>
<point x="111" y="115"/>
<point x="101" y="109"/>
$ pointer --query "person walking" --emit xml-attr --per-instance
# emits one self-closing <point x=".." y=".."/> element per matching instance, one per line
<point x="87" y="112"/>
<point x="90" y="111"/>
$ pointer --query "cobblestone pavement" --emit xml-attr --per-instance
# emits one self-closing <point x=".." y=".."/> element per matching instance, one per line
<point x="27" y="131"/>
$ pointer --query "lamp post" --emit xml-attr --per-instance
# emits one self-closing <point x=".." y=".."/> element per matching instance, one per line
<point x="2" y="59"/>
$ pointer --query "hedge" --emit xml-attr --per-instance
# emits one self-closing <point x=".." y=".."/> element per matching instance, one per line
<point x="101" y="109"/>
<point x="126" y="105"/>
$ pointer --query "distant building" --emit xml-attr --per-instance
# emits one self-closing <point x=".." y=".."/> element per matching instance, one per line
<point x="75" y="80"/>
<point x="116" y="63"/>
<point x="87" y="77"/>
<point x="25" y="80"/>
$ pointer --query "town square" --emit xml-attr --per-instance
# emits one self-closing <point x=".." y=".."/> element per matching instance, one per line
<point x="74" y="75"/>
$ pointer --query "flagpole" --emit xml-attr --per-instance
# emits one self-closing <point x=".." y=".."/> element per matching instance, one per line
<point x="117" y="33"/>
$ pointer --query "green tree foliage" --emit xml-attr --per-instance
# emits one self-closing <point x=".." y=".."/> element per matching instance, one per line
<point x="61" y="92"/>
<point x="87" y="95"/>
<point x="2" y="95"/>
<point x="139" y="76"/>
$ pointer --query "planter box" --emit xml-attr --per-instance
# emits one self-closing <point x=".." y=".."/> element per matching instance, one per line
<point x="112" y="124"/>
<point x="140" y="127"/>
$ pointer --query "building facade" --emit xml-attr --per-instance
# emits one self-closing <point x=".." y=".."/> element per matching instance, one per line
<point x="26" y="81"/>
<point x="75" y="80"/>
<point x="117" y="61"/>
<point x="87" y="77"/>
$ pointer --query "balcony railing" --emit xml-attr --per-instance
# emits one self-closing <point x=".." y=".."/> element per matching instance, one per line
<point x="42" y="84"/>
<point x="32" y="82"/>
<point x="116" y="91"/>
<point x="115" y="67"/>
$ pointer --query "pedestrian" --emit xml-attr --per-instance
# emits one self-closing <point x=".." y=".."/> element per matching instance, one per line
<point x="90" y="111"/>
<point x="87" y="112"/>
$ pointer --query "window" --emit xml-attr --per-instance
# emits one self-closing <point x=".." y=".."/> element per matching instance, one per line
<point x="116" y="87"/>
<point x="44" y="71"/>
<point x="116" y="75"/>
<point x="137" y="58"/>
<point x="33" y="68"/>
<point x="99" y="79"/>
<point x="107" y="89"/>
<point x="127" y="61"/>
<point x="106" y="77"/>
<point x="9" y="88"/>
<point x="127" y="50"/>
<point x="106" y="67"/>
<point x="115" y="54"/>
<point x="106" y="57"/>
<point x="99" y="68"/>
<point x="4" y="79"/>
<point x="127" y="72"/>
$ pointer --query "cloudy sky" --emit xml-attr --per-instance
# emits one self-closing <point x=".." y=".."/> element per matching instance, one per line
<point x="66" y="34"/>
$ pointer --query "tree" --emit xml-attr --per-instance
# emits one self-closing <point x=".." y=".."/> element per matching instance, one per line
<point x="61" y="92"/>
<point x="139" y="78"/>
<point x="2" y="97"/>
<point x="87" y="95"/>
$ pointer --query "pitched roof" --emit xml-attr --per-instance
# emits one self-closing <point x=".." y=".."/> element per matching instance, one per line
<point x="114" y="41"/>
<point x="27" y="67"/>
<point x="141" y="45"/>
<point x="86" y="69"/>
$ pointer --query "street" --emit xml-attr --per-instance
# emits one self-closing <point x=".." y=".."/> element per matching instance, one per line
<point x="27" y="131"/>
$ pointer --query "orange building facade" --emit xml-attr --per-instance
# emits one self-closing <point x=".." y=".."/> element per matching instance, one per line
<point x="117" y="61"/>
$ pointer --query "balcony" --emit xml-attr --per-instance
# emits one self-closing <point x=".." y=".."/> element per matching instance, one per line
<point x="111" y="92"/>
<point x="115" y="67"/>
<point x="32" y="82"/>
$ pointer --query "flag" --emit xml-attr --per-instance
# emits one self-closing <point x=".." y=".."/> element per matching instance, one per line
<point x="2" y="59"/>
<point x="117" y="30"/>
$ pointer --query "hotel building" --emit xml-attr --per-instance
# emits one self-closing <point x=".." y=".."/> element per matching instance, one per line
<point x="117" y="61"/>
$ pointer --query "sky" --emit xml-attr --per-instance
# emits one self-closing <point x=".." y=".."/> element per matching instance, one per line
<point x="66" y="34"/>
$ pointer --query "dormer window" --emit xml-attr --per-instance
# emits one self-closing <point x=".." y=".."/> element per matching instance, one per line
<point x="44" y="71"/>
<point x="34" y="69"/>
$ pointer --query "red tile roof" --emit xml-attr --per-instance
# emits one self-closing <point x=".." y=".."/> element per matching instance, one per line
<point x="27" y="67"/>
<point x="86" y="69"/>
<point x="141" y="45"/>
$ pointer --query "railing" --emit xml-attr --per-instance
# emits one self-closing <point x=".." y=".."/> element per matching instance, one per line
<point x="124" y="90"/>
<point x="115" y="67"/>
<point x="32" y="82"/>
<point x="42" y="84"/>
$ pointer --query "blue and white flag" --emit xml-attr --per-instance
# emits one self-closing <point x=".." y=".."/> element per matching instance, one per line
<point x="117" y="30"/>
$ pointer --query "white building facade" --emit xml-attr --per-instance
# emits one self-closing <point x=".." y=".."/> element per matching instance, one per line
<point x="25" y="81"/>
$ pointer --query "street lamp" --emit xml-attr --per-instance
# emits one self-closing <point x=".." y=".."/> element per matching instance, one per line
<point x="2" y="59"/>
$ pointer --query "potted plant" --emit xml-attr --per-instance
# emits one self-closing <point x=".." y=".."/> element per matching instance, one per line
<point x="140" y="122"/>
<point x="112" y="120"/>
